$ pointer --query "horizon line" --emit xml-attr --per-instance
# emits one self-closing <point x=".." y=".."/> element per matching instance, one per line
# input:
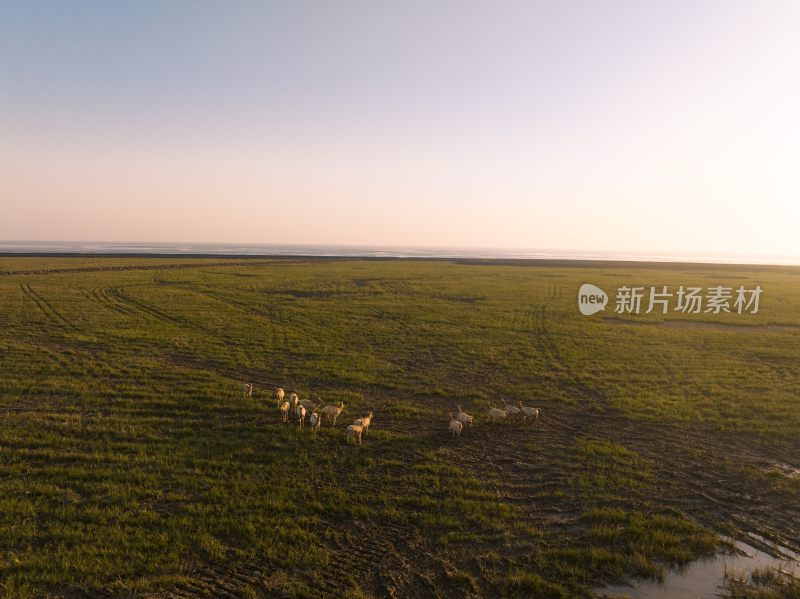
<point x="65" y="248"/>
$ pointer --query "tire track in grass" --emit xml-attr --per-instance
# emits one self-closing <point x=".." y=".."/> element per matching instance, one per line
<point x="522" y="462"/>
<point x="47" y="309"/>
<point x="240" y="305"/>
<point x="96" y="296"/>
<point x="375" y="555"/>
<point x="215" y="581"/>
<point x="120" y="302"/>
<point x="74" y="592"/>
<point x="532" y="319"/>
<point x="251" y="310"/>
<point x="141" y="306"/>
<point x="360" y="550"/>
<point x="535" y="319"/>
<point x="105" y="299"/>
<point x="540" y="333"/>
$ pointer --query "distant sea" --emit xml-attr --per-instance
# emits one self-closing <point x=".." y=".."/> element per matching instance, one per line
<point x="230" y="249"/>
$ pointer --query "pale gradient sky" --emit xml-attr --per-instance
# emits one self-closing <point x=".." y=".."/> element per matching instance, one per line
<point x="620" y="125"/>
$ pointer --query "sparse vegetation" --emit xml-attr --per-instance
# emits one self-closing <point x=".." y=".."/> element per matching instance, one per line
<point x="765" y="583"/>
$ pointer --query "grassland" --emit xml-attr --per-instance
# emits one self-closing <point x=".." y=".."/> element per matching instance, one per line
<point x="130" y="464"/>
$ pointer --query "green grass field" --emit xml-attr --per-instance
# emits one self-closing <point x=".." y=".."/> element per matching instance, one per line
<point x="131" y="465"/>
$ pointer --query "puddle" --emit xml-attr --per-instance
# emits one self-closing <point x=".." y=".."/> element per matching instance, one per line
<point x="702" y="579"/>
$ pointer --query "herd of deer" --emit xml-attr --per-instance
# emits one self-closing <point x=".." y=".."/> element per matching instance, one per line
<point x="316" y="412"/>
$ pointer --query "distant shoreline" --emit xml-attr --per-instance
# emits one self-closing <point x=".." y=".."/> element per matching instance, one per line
<point x="545" y="262"/>
<point x="242" y="251"/>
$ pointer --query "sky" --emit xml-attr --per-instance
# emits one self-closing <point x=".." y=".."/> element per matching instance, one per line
<point x="633" y="126"/>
